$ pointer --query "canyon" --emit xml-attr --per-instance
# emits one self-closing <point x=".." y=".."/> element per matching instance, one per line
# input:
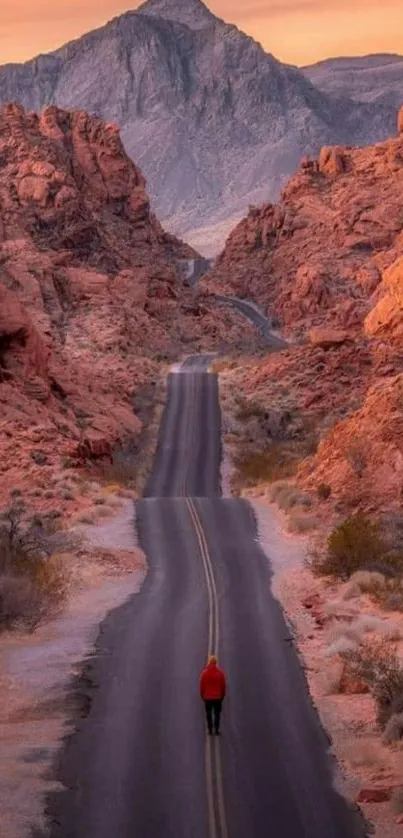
<point x="214" y="122"/>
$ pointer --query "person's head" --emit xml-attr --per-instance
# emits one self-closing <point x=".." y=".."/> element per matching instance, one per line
<point x="212" y="660"/>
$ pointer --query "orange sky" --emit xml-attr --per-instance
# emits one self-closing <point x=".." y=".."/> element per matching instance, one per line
<point x="297" y="31"/>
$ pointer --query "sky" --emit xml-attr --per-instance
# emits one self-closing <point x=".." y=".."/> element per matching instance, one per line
<point x="296" y="31"/>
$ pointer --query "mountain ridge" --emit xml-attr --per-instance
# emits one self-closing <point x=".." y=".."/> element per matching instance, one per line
<point x="214" y="121"/>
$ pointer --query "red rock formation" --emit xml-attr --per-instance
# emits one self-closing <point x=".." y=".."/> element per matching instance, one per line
<point x="327" y="262"/>
<point x="318" y="255"/>
<point x="90" y="292"/>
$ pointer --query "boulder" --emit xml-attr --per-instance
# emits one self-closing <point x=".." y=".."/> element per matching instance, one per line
<point x="326" y="338"/>
<point x="387" y="316"/>
<point x="375" y="794"/>
<point x="332" y="160"/>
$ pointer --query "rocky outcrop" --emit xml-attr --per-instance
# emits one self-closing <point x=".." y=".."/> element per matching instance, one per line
<point x="400" y="121"/>
<point x="386" y="318"/>
<point x="361" y="457"/>
<point x="326" y="338"/>
<point x="232" y="120"/>
<point x="332" y="160"/>
<point x="90" y="293"/>
<point x="327" y="264"/>
<point x="317" y="257"/>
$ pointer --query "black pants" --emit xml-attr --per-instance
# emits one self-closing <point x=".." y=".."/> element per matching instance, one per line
<point x="213" y="714"/>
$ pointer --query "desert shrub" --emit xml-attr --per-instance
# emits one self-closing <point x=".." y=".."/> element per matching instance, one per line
<point x="378" y="666"/>
<point x="121" y="473"/>
<point x="248" y="409"/>
<point x="369" y="582"/>
<point x="352" y="631"/>
<point x="324" y="491"/>
<point x="52" y="579"/>
<point x="66" y="495"/>
<point x="33" y="590"/>
<point x="89" y="517"/>
<point x="363" y="752"/>
<point x="366" y="623"/>
<point x="390" y="631"/>
<point x="390" y="597"/>
<point x="288" y="496"/>
<point x="351" y="546"/>
<point x="20" y="603"/>
<point x="302" y="523"/>
<point x="341" y="646"/>
<point x="271" y="464"/>
<point x="357" y="457"/>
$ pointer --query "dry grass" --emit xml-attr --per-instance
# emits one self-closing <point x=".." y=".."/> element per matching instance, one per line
<point x="302" y="523"/>
<point x="342" y="646"/>
<point x="31" y="591"/>
<point x="266" y="466"/>
<point x="120" y="473"/>
<point x="363" y="753"/>
<point x="223" y="365"/>
<point x="368" y="582"/>
<point x="288" y="496"/>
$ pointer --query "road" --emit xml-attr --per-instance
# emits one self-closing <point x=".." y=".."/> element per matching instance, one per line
<point x="252" y="313"/>
<point x="139" y="764"/>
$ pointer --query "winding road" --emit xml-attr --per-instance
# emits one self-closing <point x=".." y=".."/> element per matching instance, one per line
<point x="256" y="317"/>
<point x="139" y="764"/>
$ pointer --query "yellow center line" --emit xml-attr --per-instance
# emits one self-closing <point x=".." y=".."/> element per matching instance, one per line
<point x="210" y="789"/>
<point x="220" y="791"/>
<point x="213" y="753"/>
<point x="191" y="391"/>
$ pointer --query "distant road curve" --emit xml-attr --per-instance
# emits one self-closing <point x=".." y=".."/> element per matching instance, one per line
<point x="252" y="313"/>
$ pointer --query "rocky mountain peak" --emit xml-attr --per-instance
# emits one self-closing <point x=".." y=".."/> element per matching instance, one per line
<point x="193" y="13"/>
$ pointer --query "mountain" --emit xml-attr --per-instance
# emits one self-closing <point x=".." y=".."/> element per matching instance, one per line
<point x="372" y="78"/>
<point x="214" y="122"/>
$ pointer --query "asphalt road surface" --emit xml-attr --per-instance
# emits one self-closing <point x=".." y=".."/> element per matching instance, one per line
<point x="252" y="313"/>
<point x="140" y="764"/>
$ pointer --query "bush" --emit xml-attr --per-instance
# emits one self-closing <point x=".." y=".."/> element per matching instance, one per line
<point x="324" y="491"/>
<point x="249" y="409"/>
<point x="287" y="496"/>
<point x="20" y="603"/>
<point x="268" y="465"/>
<point x="120" y="473"/>
<point x="378" y="666"/>
<point x="352" y="546"/>
<point x="302" y="523"/>
<point x="393" y="730"/>
<point x="34" y="590"/>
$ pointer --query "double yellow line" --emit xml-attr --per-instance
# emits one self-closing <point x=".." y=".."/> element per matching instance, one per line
<point x="215" y="791"/>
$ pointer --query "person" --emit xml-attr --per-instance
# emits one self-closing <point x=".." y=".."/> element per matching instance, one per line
<point x="213" y="687"/>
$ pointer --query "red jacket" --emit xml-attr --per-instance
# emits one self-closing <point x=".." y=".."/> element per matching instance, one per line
<point x="213" y="684"/>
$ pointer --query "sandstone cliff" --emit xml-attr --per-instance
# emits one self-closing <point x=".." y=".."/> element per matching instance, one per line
<point x="90" y="292"/>
<point x="319" y="254"/>
<point x="327" y="264"/>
